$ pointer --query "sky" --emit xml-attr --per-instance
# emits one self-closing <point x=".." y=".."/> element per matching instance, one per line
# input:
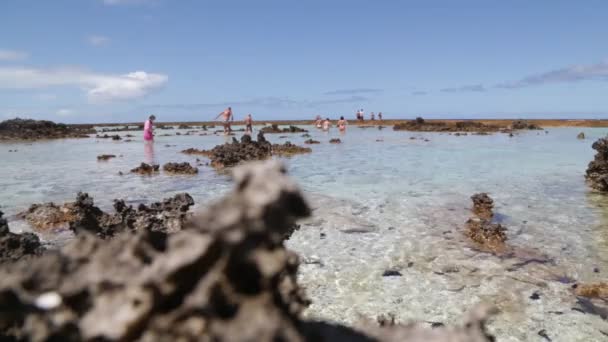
<point x="93" y="61"/>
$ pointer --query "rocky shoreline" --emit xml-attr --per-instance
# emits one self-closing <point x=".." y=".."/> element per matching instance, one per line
<point x="26" y="129"/>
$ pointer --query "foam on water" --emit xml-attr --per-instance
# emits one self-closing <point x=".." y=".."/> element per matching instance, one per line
<point x="396" y="204"/>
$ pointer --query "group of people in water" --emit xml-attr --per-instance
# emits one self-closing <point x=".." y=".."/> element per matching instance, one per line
<point x="227" y="118"/>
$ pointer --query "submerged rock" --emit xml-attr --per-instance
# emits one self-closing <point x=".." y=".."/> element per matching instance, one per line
<point x="597" y="170"/>
<point x="310" y="142"/>
<point x="104" y="157"/>
<point x="16" y="246"/>
<point x="195" y="151"/>
<point x="335" y="141"/>
<point x="421" y="125"/>
<point x="227" y="277"/>
<point x="481" y="229"/>
<point x="25" y="129"/>
<point x="180" y="168"/>
<point x="274" y="128"/>
<point x="146" y="169"/>
<point x="597" y="290"/>
<point x="289" y="149"/>
<point x="483" y="205"/>
<point x="105" y="136"/>
<point x="581" y="135"/>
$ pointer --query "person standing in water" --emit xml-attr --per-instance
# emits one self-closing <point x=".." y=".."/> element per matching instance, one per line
<point x="380" y="116"/>
<point x="342" y="124"/>
<point x="326" y="124"/>
<point x="227" y="117"/>
<point x="149" y="128"/>
<point x="249" y="124"/>
<point x="319" y="122"/>
<point x="373" y="117"/>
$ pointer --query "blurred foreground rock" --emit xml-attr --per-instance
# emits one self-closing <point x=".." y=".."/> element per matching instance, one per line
<point x="226" y="277"/>
<point x="597" y="170"/>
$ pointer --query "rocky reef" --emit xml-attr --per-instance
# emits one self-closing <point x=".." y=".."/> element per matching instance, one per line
<point x="597" y="170"/>
<point x="180" y="168"/>
<point x="581" y="135"/>
<point x="481" y="229"/>
<point x="194" y="151"/>
<point x="26" y="129"/>
<point x="523" y="124"/>
<point x="146" y="169"/>
<point x="421" y="125"/>
<point x="115" y="137"/>
<point x="596" y="290"/>
<point x="274" y="128"/>
<point x="311" y="142"/>
<point x="335" y="141"/>
<point x="289" y="149"/>
<point x="104" y="157"/>
<point x="231" y="154"/>
<point x="14" y="247"/>
<point x="123" y="129"/>
<point x="226" y="277"/>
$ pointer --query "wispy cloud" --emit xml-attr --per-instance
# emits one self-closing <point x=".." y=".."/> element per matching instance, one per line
<point x="126" y="2"/>
<point x="265" y="102"/>
<point x="12" y="55"/>
<point x="98" y="87"/>
<point x="576" y="73"/>
<point x="64" y="112"/>
<point x="419" y="93"/>
<point x="98" y="40"/>
<point x="465" y="88"/>
<point x="354" y="91"/>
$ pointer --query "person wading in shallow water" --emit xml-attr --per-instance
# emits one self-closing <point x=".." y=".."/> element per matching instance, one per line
<point x="318" y="122"/>
<point x="379" y="116"/>
<point x="149" y="128"/>
<point x="326" y="124"/>
<point x="249" y="124"/>
<point x="227" y="117"/>
<point x="342" y="124"/>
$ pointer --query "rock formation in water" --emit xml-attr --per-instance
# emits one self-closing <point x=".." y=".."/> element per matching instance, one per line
<point x="25" y="129"/>
<point x="195" y="151"/>
<point x="49" y="215"/>
<point x="481" y="229"/>
<point x="310" y="142"/>
<point x="123" y="129"/>
<point x="289" y="149"/>
<point x="104" y="157"/>
<point x="231" y="154"/>
<point x="523" y="124"/>
<point x="581" y="135"/>
<point x="16" y="246"/>
<point x="105" y="136"/>
<point x="180" y="168"/>
<point x="226" y="277"/>
<point x="596" y="290"/>
<point x="335" y="141"/>
<point x="146" y="169"/>
<point x="421" y="125"/>
<point x="274" y="128"/>
<point x="597" y="170"/>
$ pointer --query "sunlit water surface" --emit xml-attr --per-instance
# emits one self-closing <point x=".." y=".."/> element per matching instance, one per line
<point x="384" y="201"/>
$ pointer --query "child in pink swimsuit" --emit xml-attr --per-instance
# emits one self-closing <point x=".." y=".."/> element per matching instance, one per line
<point x="148" y="127"/>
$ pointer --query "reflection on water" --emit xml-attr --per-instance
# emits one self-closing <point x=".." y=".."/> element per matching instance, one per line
<point x="149" y="152"/>
<point x="383" y="200"/>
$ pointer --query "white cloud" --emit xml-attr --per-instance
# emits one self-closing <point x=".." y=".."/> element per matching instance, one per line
<point x="64" y="112"/>
<point x="98" y="87"/>
<point x="12" y="55"/>
<point x="97" y="40"/>
<point x="576" y="73"/>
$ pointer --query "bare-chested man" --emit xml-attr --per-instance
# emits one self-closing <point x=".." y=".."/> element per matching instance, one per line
<point x="249" y="124"/>
<point x="227" y="117"/>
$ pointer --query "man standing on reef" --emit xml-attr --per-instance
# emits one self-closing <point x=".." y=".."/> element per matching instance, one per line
<point x="249" y="124"/>
<point x="227" y="117"/>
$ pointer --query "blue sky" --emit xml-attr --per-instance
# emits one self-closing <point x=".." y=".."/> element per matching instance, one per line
<point x="120" y="60"/>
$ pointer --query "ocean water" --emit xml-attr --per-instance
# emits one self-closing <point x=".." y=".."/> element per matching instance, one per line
<point x="383" y="201"/>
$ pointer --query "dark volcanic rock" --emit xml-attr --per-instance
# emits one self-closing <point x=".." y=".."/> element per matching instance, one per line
<point x="421" y="125"/>
<point x="483" y="205"/>
<point x="180" y="168"/>
<point x="105" y="136"/>
<point x="289" y="149"/>
<point x="16" y="246"/>
<point x="105" y="157"/>
<point x="195" y="151"/>
<point x="226" y="277"/>
<point x="597" y="170"/>
<point x="523" y="124"/>
<point x="335" y="141"/>
<point x="274" y="128"/>
<point x="49" y="215"/>
<point x="310" y="142"/>
<point x="146" y="169"/>
<point x="231" y="154"/>
<point x="25" y="129"/>
<point x="123" y="129"/>
<point x="581" y="135"/>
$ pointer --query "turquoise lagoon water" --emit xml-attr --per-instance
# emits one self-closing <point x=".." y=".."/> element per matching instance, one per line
<point x="383" y="201"/>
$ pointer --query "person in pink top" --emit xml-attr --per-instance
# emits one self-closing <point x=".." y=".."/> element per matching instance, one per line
<point x="149" y="129"/>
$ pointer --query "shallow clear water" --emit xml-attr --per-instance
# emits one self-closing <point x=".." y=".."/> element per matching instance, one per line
<point x="397" y="203"/>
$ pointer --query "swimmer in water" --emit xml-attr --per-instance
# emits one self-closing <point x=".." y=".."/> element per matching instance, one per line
<point x="342" y="124"/>
<point x="227" y="117"/>
<point x="326" y="124"/>
<point x="249" y="124"/>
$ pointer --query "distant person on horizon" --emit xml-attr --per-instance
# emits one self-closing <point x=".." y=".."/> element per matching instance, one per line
<point x="362" y="115"/>
<point x="227" y="117"/>
<point x="319" y="122"/>
<point x="373" y="117"/>
<point x="326" y="124"/>
<point x="380" y="116"/>
<point x="342" y="124"/>
<point x="149" y="128"/>
<point x="249" y="124"/>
